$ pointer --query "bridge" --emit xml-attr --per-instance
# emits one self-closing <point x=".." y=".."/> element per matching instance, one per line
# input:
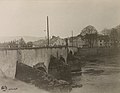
<point x="30" y="57"/>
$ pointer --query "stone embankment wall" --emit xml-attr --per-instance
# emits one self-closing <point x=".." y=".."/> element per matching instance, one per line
<point x="98" y="51"/>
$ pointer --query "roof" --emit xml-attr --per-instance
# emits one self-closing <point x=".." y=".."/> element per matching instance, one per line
<point x="54" y="39"/>
<point x="103" y="37"/>
<point x="44" y="42"/>
<point x="74" y="38"/>
<point x="41" y="42"/>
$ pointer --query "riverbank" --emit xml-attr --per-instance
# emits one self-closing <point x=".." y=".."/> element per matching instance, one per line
<point x="16" y="86"/>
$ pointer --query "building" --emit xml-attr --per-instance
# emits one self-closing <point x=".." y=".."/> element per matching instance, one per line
<point x="54" y="41"/>
<point x="104" y="41"/>
<point x="89" y="36"/>
<point x="76" y="41"/>
<point x="57" y="41"/>
<point x="40" y="43"/>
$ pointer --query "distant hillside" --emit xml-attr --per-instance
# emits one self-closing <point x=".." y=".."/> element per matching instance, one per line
<point x="26" y="38"/>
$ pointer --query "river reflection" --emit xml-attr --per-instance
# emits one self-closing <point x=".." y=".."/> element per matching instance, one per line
<point x="99" y="78"/>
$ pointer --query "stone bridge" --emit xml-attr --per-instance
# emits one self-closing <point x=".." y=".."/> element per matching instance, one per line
<point x="29" y="56"/>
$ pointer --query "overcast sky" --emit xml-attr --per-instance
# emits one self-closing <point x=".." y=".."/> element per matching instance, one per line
<point x="28" y="17"/>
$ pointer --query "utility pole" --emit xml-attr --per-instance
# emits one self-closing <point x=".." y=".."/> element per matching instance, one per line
<point x="48" y="30"/>
<point x="67" y="48"/>
<point x="72" y="38"/>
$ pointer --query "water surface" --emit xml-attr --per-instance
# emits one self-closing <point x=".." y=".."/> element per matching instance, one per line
<point x="100" y="77"/>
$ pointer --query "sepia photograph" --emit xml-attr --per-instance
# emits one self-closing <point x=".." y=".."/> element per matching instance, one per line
<point x="59" y="46"/>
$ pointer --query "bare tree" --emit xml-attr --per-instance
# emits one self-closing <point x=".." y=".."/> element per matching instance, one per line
<point x="89" y="35"/>
<point x="114" y="37"/>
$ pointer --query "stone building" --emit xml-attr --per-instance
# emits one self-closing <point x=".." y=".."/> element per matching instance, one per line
<point x="104" y="41"/>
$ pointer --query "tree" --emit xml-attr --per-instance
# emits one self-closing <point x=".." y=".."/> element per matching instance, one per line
<point x="91" y="39"/>
<point x="29" y="44"/>
<point x="114" y="37"/>
<point x="22" y="43"/>
<point x="12" y="44"/>
<point x="89" y="35"/>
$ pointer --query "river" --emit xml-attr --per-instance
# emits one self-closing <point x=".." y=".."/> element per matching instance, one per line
<point x="102" y="76"/>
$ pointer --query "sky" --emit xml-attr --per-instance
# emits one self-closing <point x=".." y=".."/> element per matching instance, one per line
<point x="28" y="17"/>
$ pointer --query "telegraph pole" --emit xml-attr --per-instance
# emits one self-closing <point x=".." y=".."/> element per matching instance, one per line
<point x="48" y="30"/>
<point x="72" y="38"/>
